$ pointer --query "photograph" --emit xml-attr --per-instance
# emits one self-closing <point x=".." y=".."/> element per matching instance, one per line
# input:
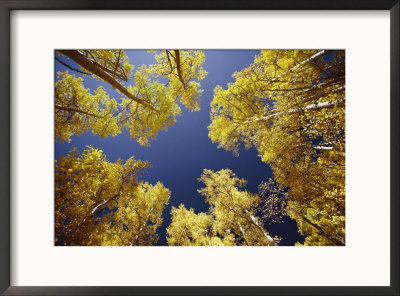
<point x="198" y="147"/>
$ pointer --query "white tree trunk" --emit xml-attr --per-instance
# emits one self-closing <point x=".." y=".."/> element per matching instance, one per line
<point x="297" y="66"/>
<point x="269" y="238"/>
<point x="322" y="148"/>
<point x="96" y="207"/>
<point x="312" y="107"/>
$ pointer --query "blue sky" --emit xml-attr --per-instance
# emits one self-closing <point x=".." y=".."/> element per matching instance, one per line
<point x="179" y="155"/>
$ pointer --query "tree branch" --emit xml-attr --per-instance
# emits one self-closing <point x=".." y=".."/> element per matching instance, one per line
<point x="178" y="67"/>
<point x="71" y="68"/>
<point x="321" y="232"/>
<point x="93" y="67"/>
<point x="59" y="107"/>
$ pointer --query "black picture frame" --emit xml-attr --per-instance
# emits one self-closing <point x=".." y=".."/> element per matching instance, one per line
<point x="7" y="6"/>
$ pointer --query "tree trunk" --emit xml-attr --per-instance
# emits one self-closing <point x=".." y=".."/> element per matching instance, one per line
<point x="92" y="67"/>
<point x="297" y="66"/>
<point x="312" y="107"/>
<point x="178" y="67"/>
<point x="255" y="222"/>
<point x="269" y="238"/>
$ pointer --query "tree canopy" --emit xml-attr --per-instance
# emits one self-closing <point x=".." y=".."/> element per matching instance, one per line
<point x="98" y="202"/>
<point x="289" y="104"/>
<point x="230" y="221"/>
<point x="146" y="106"/>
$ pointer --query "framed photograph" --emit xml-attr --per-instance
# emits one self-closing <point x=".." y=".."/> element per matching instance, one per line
<point x="215" y="148"/>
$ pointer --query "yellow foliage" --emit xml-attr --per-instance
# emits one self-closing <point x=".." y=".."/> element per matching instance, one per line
<point x="181" y="68"/>
<point x="98" y="202"/>
<point x="115" y="62"/>
<point x="77" y="110"/>
<point x="231" y="219"/>
<point x="290" y="105"/>
<point x="155" y="107"/>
